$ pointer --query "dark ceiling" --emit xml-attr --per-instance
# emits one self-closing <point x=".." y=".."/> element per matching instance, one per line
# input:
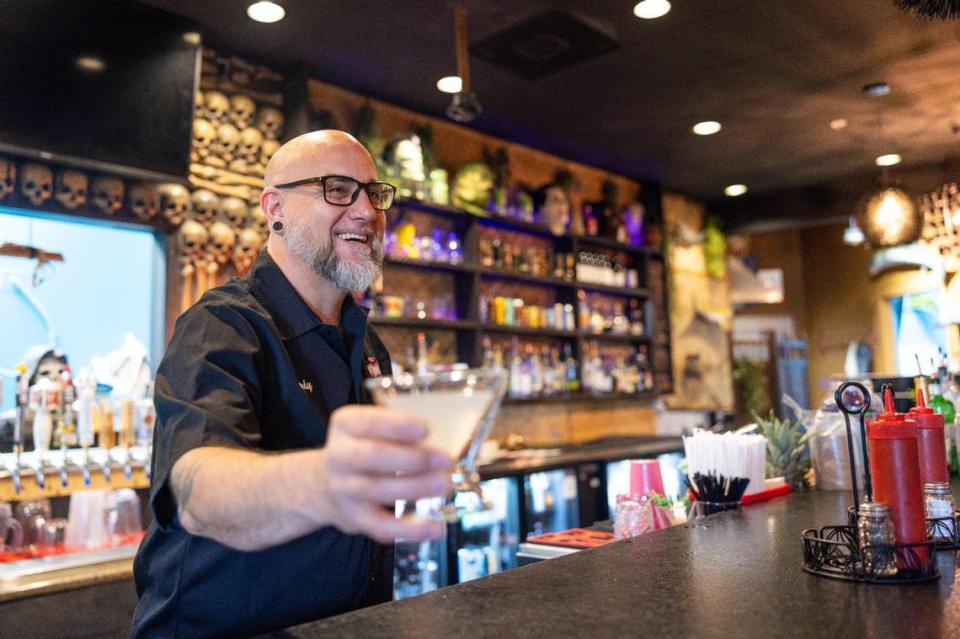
<point x="774" y="73"/>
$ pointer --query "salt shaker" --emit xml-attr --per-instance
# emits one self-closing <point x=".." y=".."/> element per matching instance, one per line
<point x="875" y="531"/>
<point x="938" y="504"/>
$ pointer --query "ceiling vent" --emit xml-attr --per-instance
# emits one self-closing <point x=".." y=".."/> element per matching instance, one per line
<point x="544" y="44"/>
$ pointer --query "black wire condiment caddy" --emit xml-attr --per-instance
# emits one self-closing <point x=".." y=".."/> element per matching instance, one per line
<point x="836" y="551"/>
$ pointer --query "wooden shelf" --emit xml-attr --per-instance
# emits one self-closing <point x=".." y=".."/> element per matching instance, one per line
<point x="526" y="330"/>
<point x="471" y="277"/>
<point x="429" y="266"/>
<point x="614" y="290"/>
<point x="614" y="337"/>
<point x="414" y="322"/>
<point x="593" y="240"/>
<point x="524" y="277"/>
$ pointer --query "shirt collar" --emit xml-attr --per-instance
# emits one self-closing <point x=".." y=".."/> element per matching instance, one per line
<point x="290" y="313"/>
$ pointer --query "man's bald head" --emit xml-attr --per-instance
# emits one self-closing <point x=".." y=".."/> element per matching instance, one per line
<point x="310" y="154"/>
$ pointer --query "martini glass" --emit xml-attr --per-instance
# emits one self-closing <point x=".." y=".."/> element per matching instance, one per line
<point x="458" y="405"/>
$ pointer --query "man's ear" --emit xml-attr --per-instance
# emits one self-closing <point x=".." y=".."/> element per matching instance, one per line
<point x="271" y="203"/>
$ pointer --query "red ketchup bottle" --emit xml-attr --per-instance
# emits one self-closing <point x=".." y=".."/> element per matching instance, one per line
<point x="933" y="447"/>
<point x="895" y="464"/>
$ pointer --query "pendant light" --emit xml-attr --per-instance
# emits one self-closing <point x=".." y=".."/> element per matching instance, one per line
<point x="888" y="215"/>
<point x="465" y="106"/>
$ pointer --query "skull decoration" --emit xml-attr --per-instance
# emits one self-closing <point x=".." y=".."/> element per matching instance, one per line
<point x="245" y="252"/>
<point x="8" y="178"/>
<point x="204" y="137"/>
<point x="144" y="200"/>
<point x="206" y="206"/>
<point x="198" y="107"/>
<point x="217" y="106"/>
<point x="193" y="241"/>
<point x="234" y="211"/>
<point x="259" y="222"/>
<point x="267" y="149"/>
<point x="228" y="138"/>
<point x="270" y="122"/>
<point x="108" y="194"/>
<point x="222" y="239"/>
<point x="174" y="203"/>
<point x="250" y="141"/>
<point x="242" y="109"/>
<point x="36" y="183"/>
<point x="71" y="189"/>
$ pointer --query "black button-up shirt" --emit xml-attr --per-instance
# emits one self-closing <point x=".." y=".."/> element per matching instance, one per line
<point x="250" y="366"/>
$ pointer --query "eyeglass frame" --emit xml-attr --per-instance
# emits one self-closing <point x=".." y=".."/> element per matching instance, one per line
<point x="322" y="181"/>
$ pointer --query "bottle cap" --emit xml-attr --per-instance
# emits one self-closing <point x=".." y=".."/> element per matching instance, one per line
<point x="921" y="408"/>
<point x="874" y="509"/>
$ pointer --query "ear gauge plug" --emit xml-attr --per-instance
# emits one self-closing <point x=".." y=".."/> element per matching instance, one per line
<point x="278" y="228"/>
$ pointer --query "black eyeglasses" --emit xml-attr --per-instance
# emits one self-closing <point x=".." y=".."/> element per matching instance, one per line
<point x="341" y="190"/>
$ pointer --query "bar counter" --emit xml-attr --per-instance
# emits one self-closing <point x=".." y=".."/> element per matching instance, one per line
<point x="738" y="577"/>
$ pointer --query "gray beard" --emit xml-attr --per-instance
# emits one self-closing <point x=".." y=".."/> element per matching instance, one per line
<point x="347" y="276"/>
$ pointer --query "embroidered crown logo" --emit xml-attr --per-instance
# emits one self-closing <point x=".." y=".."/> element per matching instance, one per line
<point x="306" y="386"/>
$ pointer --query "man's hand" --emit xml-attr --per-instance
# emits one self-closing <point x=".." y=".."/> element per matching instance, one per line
<point x="371" y="459"/>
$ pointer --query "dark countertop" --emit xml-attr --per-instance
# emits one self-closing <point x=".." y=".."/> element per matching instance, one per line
<point x="738" y="577"/>
<point x="612" y="449"/>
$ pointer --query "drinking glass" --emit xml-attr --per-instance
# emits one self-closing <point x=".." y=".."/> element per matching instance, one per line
<point x="459" y="407"/>
<point x="11" y="532"/>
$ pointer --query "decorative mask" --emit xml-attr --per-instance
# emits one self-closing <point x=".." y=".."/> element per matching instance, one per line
<point x="217" y="105"/>
<point x="206" y="206"/>
<point x="71" y="189"/>
<point x="245" y="252"/>
<point x="174" y="203"/>
<point x="472" y="186"/>
<point x="228" y="138"/>
<point x="222" y="240"/>
<point x="193" y="240"/>
<point x="270" y="122"/>
<point x="242" y="109"/>
<point x="36" y="183"/>
<point x="235" y="211"/>
<point x="108" y="194"/>
<point x="144" y="200"/>
<point x="8" y="178"/>
<point x="250" y="141"/>
<point x="204" y="138"/>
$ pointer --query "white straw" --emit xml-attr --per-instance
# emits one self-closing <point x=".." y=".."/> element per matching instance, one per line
<point x="728" y="454"/>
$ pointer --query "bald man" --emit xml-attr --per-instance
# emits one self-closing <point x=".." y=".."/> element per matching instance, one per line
<point x="272" y="481"/>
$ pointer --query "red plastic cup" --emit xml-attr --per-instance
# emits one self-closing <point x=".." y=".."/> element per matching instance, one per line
<point x="645" y="477"/>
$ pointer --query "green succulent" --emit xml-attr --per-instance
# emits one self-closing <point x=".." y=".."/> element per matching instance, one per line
<point x="788" y="452"/>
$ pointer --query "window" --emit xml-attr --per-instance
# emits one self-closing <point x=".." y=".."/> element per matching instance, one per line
<point x="110" y="283"/>
<point x="917" y="331"/>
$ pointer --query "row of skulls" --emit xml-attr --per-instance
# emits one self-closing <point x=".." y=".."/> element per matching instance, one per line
<point x="233" y="132"/>
<point x="40" y="185"/>
<point x="218" y="229"/>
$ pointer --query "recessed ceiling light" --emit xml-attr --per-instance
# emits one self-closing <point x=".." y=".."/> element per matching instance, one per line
<point x="709" y="127"/>
<point x="839" y="123"/>
<point x="90" y="63"/>
<point x="192" y="37"/>
<point x="877" y="89"/>
<point x="265" y="11"/>
<point x="450" y="84"/>
<point x="735" y="190"/>
<point x="650" y="9"/>
<point x="890" y="159"/>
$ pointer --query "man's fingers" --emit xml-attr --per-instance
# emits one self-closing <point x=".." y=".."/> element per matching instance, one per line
<point x="385" y="528"/>
<point x="385" y="458"/>
<point x="386" y="491"/>
<point x="379" y="423"/>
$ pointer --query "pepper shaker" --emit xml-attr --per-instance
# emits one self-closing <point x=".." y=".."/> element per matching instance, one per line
<point x="938" y="504"/>
<point x="876" y="536"/>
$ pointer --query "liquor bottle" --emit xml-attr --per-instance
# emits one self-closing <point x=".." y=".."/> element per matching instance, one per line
<point x="573" y="383"/>
<point x="423" y="366"/>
